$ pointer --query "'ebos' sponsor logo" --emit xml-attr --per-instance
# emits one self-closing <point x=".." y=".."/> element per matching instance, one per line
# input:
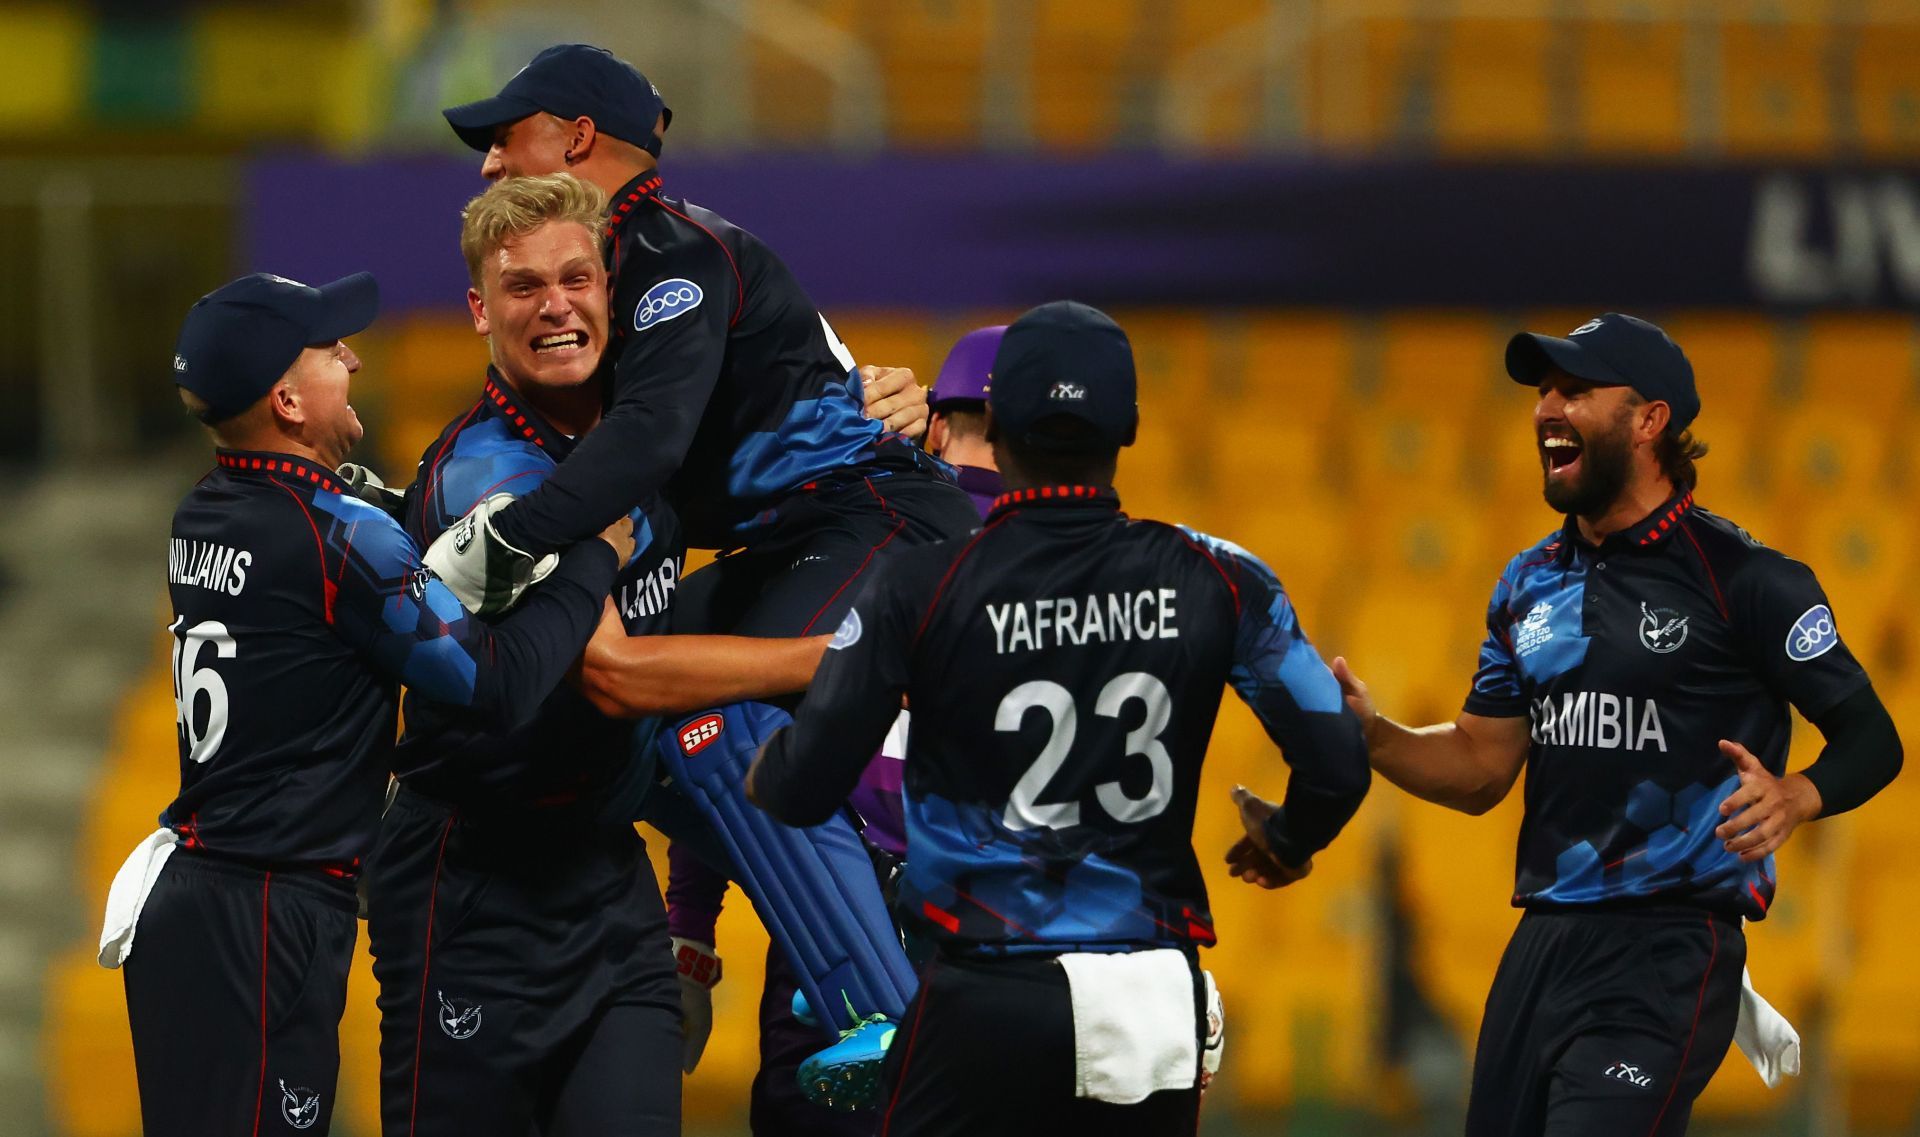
<point x="699" y="734"/>
<point x="1812" y="635"/>
<point x="664" y="301"/>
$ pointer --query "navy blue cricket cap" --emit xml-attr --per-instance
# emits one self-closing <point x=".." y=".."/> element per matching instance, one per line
<point x="570" y="80"/>
<point x="1064" y="359"/>
<point x="239" y="339"/>
<point x="1614" y="351"/>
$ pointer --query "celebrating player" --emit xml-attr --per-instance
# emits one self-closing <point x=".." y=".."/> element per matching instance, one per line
<point x="957" y="431"/>
<point x="299" y="610"/>
<point x="733" y="396"/>
<point x="526" y="982"/>
<point x="1064" y="666"/>
<point x="1640" y="661"/>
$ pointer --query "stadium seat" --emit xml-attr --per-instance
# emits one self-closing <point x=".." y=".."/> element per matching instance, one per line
<point x="1866" y="362"/>
<point x="1818" y="452"/>
<point x="1456" y="881"/>
<point x="1631" y="79"/>
<point x="1084" y="56"/>
<point x="265" y="72"/>
<point x="47" y="47"/>
<point x="1735" y="359"/>
<point x="1414" y="644"/>
<point x="1863" y="549"/>
<point x="1291" y="366"/>
<point x="1372" y="85"/>
<point x="1886" y="85"/>
<point x="788" y="98"/>
<point x="1432" y="362"/>
<point x="1305" y="539"/>
<point x="1774" y="93"/>
<point x="1492" y="93"/>
<point x="1299" y="968"/>
<point x="933" y="58"/>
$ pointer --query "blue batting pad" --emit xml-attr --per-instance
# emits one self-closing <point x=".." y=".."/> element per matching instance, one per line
<point x="815" y="889"/>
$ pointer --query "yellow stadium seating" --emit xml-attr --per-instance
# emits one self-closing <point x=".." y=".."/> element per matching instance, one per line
<point x="789" y="98"/>
<point x="1631" y="79"/>
<point x="1822" y="451"/>
<point x="1493" y="89"/>
<point x="1774" y="90"/>
<point x="47" y="59"/>
<point x="1366" y="90"/>
<point x="259" y="71"/>
<point x="932" y="56"/>
<point x="1434" y="363"/>
<point x="1297" y="364"/>
<point x="1886" y="84"/>
<point x="1081" y="54"/>
<point x="1866" y="362"/>
<point x="1456" y="882"/>
<point x="1734" y="361"/>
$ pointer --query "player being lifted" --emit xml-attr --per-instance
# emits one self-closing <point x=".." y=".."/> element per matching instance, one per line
<point x="299" y="610"/>
<point x="526" y="982"/>
<point x="1064" y="665"/>
<point x="1639" y="661"/>
<point x="730" y="394"/>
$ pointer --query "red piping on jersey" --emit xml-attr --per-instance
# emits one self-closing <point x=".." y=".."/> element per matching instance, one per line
<point x="894" y="532"/>
<point x="1687" y="531"/>
<point x="739" y="283"/>
<point x="1214" y="561"/>
<point x="327" y="587"/>
<point x="426" y="965"/>
<point x="1699" y="1002"/>
<point x="906" y="1062"/>
<point x="433" y="468"/>
<point x="260" y="1095"/>
<point x="519" y="417"/>
<point x="1046" y="493"/>
<point x="941" y="588"/>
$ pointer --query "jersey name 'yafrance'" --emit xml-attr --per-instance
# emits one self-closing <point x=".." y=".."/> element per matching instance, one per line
<point x="1063" y="621"/>
<point x="1598" y="719"/>
<point x="218" y="568"/>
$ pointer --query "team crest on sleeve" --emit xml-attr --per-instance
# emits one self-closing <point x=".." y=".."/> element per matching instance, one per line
<point x="1812" y="635"/>
<point x="417" y="582"/>
<point x="847" y="634"/>
<point x="700" y="734"/>
<point x="1662" y="630"/>
<point x="664" y="301"/>
<point x="299" y="1106"/>
<point x="460" y="1018"/>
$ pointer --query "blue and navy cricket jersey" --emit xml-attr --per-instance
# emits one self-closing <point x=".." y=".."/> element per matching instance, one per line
<point x="1632" y="660"/>
<point x="569" y="751"/>
<point x="298" y="611"/>
<point x="1064" y="665"/>
<point x="728" y="388"/>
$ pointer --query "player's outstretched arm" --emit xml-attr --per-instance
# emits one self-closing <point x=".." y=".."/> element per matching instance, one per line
<point x="411" y="627"/>
<point x="1468" y="764"/>
<point x="634" y="677"/>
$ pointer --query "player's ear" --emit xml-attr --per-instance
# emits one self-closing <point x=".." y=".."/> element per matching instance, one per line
<point x="283" y="401"/>
<point x="580" y="140"/>
<point x="936" y="440"/>
<point x="477" y="308"/>
<point x="1654" y="418"/>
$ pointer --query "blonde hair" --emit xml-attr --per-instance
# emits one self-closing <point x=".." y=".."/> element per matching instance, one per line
<point x="514" y="207"/>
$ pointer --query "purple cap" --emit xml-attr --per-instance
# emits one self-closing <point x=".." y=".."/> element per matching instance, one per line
<point x="968" y="367"/>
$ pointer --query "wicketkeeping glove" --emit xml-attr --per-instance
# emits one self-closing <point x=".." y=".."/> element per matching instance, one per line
<point x="486" y="573"/>
<point x="699" y="971"/>
<point x="367" y="486"/>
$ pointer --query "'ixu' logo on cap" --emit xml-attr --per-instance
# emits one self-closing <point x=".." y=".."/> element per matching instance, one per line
<point x="1066" y="390"/>
<point x="179" y="363"/>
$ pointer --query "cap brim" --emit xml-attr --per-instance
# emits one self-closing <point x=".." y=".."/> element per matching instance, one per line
<point x="476" y="122"/>
<point x="1531" y="355"/>
<point x="347" y="307"/>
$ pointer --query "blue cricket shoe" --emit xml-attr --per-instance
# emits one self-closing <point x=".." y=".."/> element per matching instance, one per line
<point x="845" y="1075"/>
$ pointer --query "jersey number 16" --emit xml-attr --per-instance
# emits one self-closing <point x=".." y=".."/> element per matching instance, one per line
<point x="191" y="682"/>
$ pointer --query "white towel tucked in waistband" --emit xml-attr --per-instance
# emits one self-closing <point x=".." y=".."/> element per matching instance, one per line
<point x="1134" y="1027"/>
<point x="129" y="894"/>
<point x="1765" y="1036"/>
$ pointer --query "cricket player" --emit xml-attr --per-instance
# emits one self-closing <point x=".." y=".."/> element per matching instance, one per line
<point x="957" y="431"/>
<point x="731" y="395"/>
<point x="298" y="612"/>
<point x="1064" y="665"/>
<point x="1639" y="662"/>
<point x="526" y="978"/>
